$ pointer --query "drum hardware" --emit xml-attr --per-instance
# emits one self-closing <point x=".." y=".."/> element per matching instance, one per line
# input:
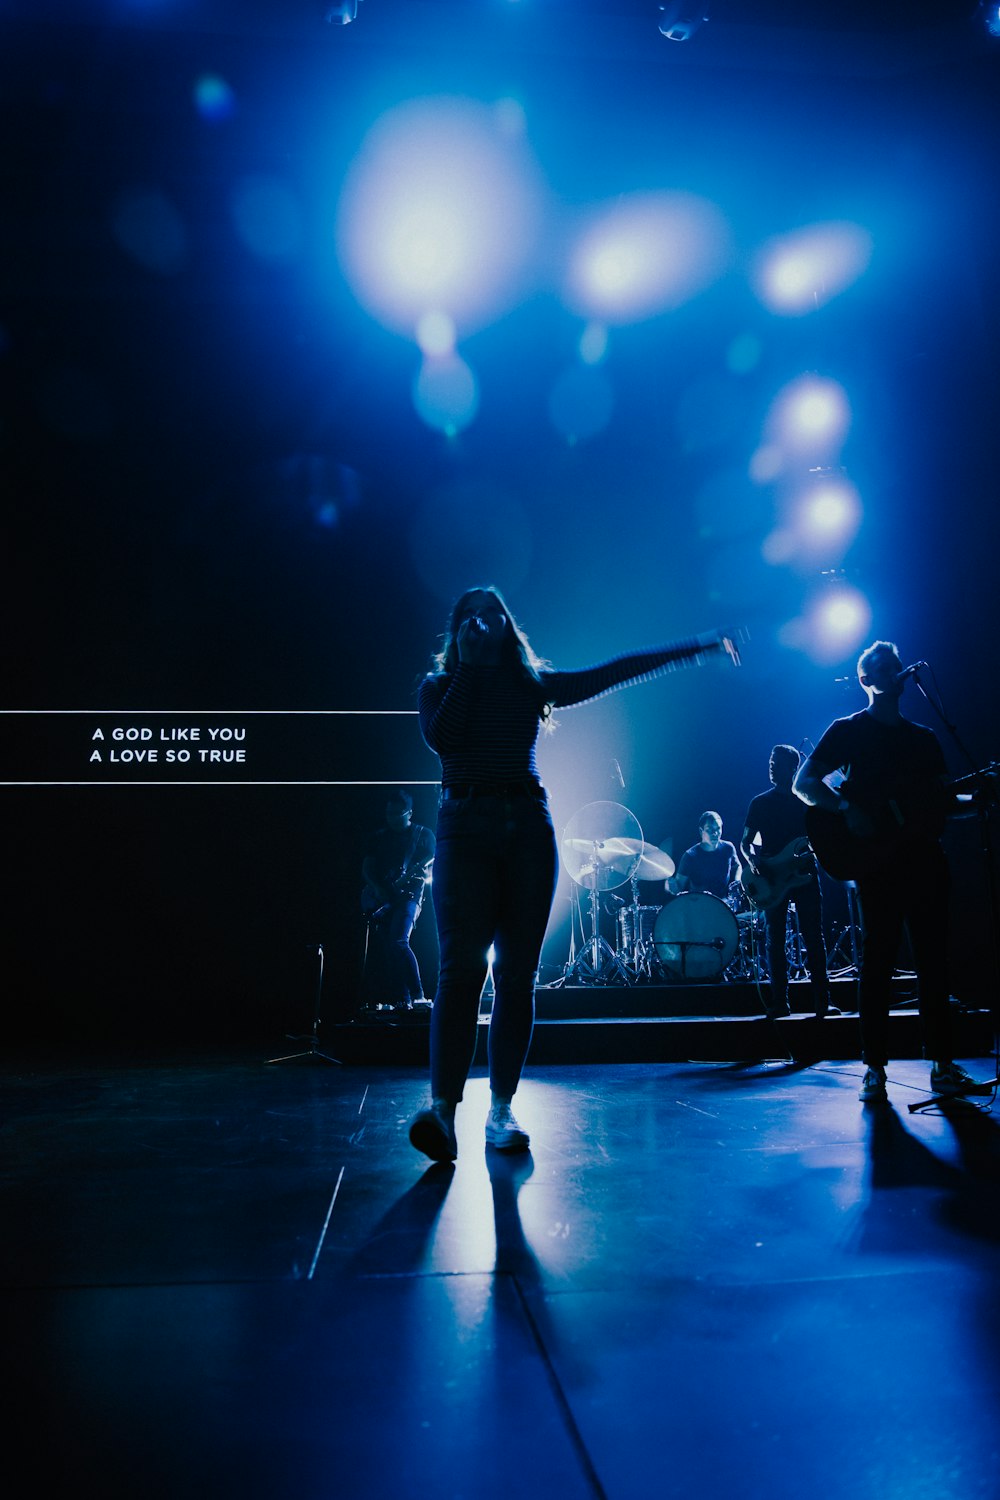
<point x="845" y="956"/>
<point x="601" y="849"/>
<point x="635" y="929"/>
<point x="635" y="921"/>
<point x="794" y="948"/>
<point x="695" y="937"/>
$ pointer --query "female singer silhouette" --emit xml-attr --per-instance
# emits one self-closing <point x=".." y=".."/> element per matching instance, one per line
<point x="481" y="710"/>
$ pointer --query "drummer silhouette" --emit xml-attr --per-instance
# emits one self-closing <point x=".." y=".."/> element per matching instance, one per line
<point x="711" y="865"/>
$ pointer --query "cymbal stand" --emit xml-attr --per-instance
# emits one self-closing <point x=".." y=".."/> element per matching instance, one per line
<point x="312" y="1052"/>
<point x="597" y="962"/>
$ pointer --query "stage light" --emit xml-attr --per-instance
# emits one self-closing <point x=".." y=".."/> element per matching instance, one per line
<point x="990" y="12"/>
<point x="436" y="333"/>
<point x="800" y="272"/>
<point x="680" y="19"/>
<point x="830" y="512"/>
<point x="834" y="624"/>
<point x="437" y="214"/>
<point x="213" y="98"/>
<point x="445" y="394"/>
<point x="593" y="345"/>
<point x="821" y="521"/>
<point x="342" y="13"/>
<point x="811" y="416"/>
<point x="649" y="253"/>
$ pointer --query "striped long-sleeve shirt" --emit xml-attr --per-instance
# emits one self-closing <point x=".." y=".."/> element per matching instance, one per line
<point x="483" y="722"/>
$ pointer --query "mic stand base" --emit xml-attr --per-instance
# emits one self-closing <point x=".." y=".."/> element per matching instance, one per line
<point x="312" y="1053"/>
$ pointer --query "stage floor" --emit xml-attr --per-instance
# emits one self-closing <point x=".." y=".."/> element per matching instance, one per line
<point x="226" y="1279"/>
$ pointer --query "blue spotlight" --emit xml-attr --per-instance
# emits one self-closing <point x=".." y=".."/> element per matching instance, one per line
<point x="810" y="416"/>
<point x="445" y="393"/>
<point x="649" y="253"/>
<point x="831" y="512"/>
<point x="991" y="16"/>
<point x="437" y="214"/>
<point x="436" y="333"/>
<point x="834" y="625"/>
<point x="821" y="524"/>
<point x="213" y="98"/>
<point x="800" y="272"/>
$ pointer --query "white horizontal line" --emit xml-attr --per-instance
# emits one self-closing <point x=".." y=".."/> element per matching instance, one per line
<point x="182" y="781"/>
<point x="225" y="713"/>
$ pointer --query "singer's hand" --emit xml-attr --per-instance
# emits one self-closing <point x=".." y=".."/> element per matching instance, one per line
<point x="729" y="646"/>
<point x="475" y="646"/>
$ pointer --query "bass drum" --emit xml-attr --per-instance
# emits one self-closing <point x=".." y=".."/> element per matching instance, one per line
<point x="695" y="937"/>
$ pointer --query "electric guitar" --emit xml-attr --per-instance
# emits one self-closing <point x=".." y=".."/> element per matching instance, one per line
<point x="409" y="882"/>
<point x="777" y="875"/>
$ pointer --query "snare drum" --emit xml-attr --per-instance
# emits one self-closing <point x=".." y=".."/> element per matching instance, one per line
<point x="634" y="926"/>
<point x="695" y="936"/>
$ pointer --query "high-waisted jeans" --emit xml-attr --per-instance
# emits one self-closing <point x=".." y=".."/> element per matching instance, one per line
<point x="494" y="879"/>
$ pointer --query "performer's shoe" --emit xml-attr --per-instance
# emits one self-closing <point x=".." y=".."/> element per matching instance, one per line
<point x="432" y="1131"/>
<point x="951" y="1080"/>
<point x="782" y="1010"/>
<point x="872" y="1090"/>
<point x="503" y="1132"/>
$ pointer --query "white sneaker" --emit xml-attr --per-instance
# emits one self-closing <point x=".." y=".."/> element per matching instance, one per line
<point x="503" y="1132"/>
<point x="873" y="1086"/>
<point x="952" y="1080"/>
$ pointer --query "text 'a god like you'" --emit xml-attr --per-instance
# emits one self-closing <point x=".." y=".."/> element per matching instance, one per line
<point x="141" y="745"/>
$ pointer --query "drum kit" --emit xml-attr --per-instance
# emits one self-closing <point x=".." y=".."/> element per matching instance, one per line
<point x="693" y="937"/>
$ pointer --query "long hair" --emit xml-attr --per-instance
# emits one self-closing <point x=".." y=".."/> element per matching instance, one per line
<point x="515" y="648"/>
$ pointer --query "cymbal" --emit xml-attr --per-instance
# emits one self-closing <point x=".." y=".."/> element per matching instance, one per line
<point x="609" y="856"/>
<point x="654" y="863"/>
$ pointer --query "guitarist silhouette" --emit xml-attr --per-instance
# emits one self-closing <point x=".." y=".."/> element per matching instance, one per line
<point x="883" y="828"/>
<point x="396" y="867"/>
<point x="779" y="869"/>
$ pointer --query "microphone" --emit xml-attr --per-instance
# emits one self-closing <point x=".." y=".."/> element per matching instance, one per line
<point x="478" y="626"/>
<point x="618" y="772"/>
<point x="910" y="671"/>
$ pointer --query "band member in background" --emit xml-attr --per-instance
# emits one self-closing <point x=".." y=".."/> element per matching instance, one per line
<point x="481" y="710"/>
<point x="711" y="865"/>
<point x="395" y="868"/>
<point x="886" y="820"/>
<point x="782" y="869"/>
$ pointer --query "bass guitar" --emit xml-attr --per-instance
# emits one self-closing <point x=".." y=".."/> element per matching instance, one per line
<point x="777" y="875"/>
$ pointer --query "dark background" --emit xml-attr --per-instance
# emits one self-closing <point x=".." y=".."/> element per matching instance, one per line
<point x="220" y="497"/>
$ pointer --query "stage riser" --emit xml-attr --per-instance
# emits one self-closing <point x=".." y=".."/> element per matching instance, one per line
<point x="590" y="1002"/>
<point x="665" y="1039"/>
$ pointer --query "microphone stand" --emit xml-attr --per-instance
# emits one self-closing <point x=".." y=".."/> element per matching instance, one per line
<point x="312" y="1052"/>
